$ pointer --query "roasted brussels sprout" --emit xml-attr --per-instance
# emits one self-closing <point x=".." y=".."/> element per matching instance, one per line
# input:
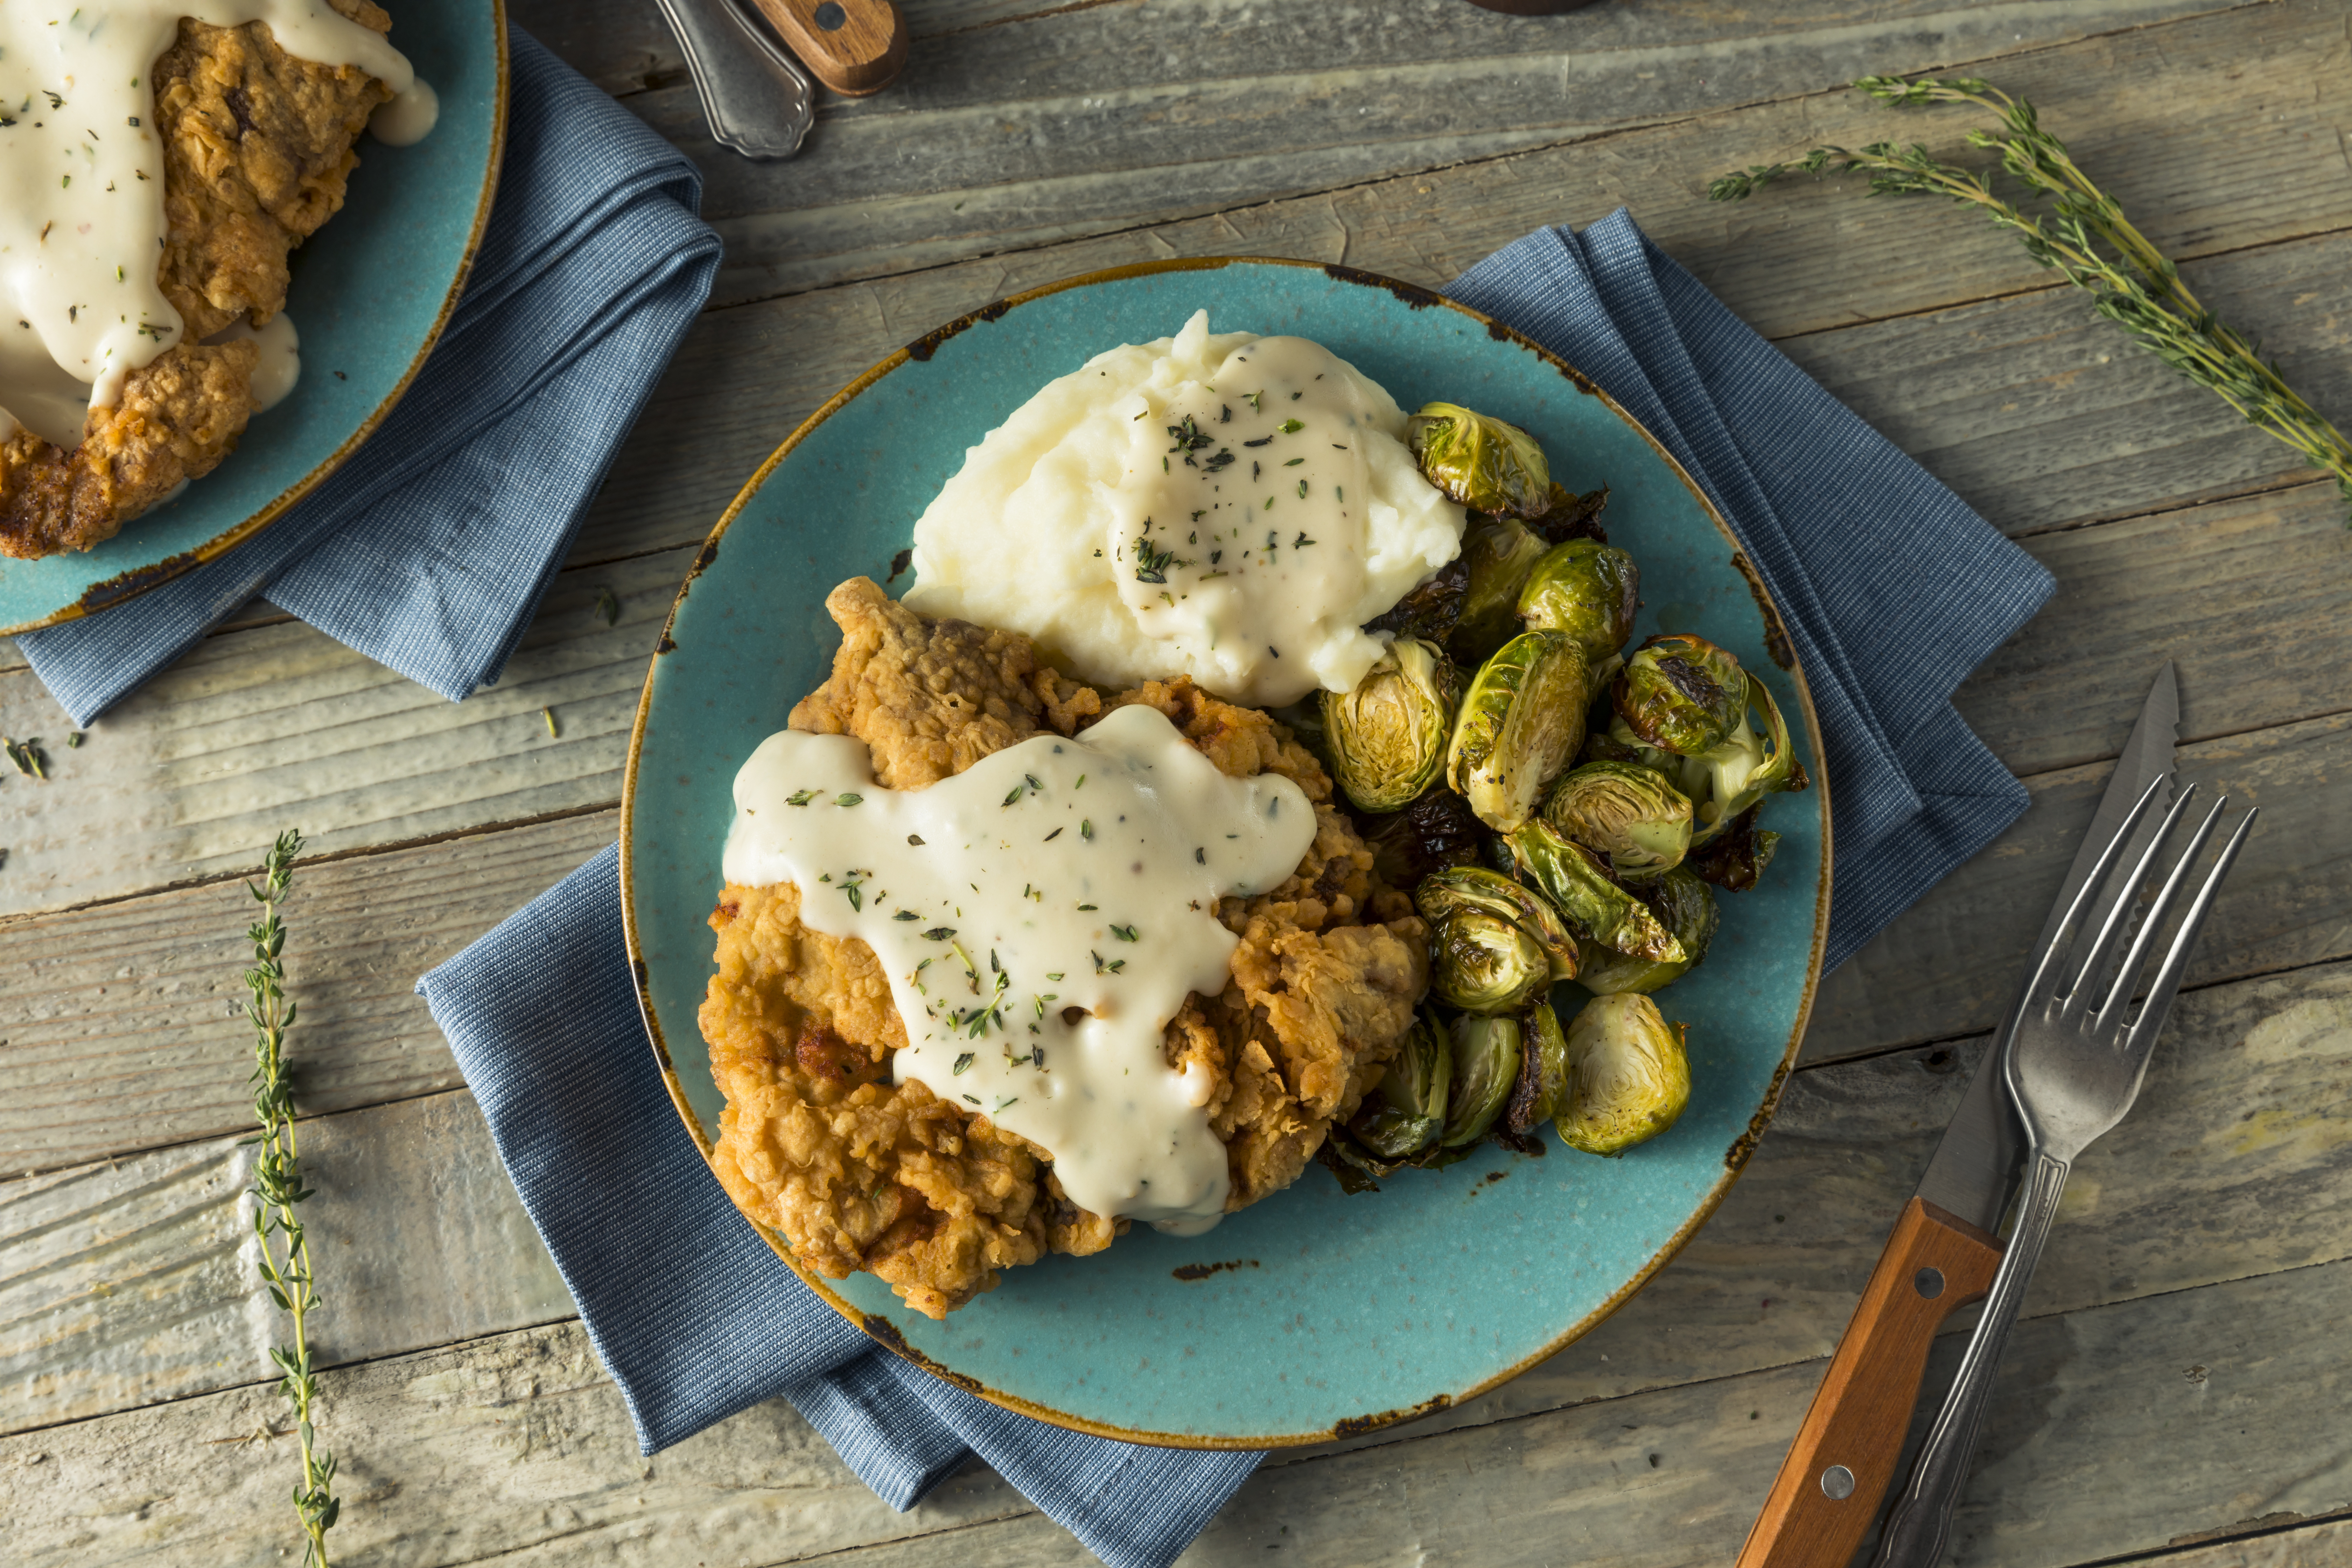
<point x="1429" y="610"/>
<point x="1681" y="694"/>
<point x="1580" y="888"/>
<point x="1407" y="1112"/>
<point x="1627" y="811"/>
<point x="1733" y="776"/>
<point x="1475" y="888"/>
<point x="1482" y="962"/>
<point x="1432" y="833"/>
<point x="1388" y="738"/>
<point x="1573" y="516"/>
<point x="1589" y="591"/>
<point x="1542" y="1087"/>
<point x="1500" y="553"/>
<point x="1628" y="1076"/>
<point x="1486" y="1066"/>
<point x="1736" y="859"/>
<point x="1483" y="463"/>
<point x="1520" y="723"/>
<point x="1686" y="906"/>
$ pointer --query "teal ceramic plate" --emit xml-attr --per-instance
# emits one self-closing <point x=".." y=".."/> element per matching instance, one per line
<point x="1312" y="1314"/>
<point x="371" y="293"/>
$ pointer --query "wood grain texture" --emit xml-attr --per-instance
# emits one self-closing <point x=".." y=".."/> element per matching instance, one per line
<point x="1951" y="963"/>
<point x="1100" y="120"/>
<point x="2116" y="1429"/>
<point x="132" y="1282"/>
<point x="122" y="1282"/>
<point x="1935" y="1264"/>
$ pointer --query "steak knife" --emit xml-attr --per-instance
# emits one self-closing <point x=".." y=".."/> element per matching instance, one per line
<point x="1943" y="1249"/>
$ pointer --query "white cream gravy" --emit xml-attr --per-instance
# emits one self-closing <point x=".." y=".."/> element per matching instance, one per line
<point x="81" y="184"/>
<point x="1058" y="878"/>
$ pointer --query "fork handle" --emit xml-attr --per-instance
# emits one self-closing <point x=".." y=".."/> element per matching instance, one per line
<point x="1921" y="1525"/>
<point x="1934" y="1263"/>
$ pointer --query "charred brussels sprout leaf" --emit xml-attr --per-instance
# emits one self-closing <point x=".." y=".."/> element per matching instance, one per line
<point x="1589" y="591"/>
<point x="1686" y="906"/>
<point x="1486" y="1066"/>
<point x="1432" y="833"/>
<point x="1682" y="694"/>
<point x="1628" y="1075"/>
<point x="1722" y="783"/>
<point x="1431" y="610"/>
<point x="1480" y="461"/>
<point x="1573" y="516"/>
<point x="1475" y="888"/>
<point x="1580" y="888"/>
<point x="1406" y="1113"/>
<point x="1482" y="962"/>
<point x="1626" y="811"/>
<point x="1520" y="723"/>
<point x="1542" y="1087"/>
<point x="1499" y="553"/>
<point x="1388" y="738"/>
<point x="1735" y="859"/>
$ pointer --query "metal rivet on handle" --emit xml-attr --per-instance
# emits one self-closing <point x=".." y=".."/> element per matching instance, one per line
<point x="830" y="17"/>
<point x="1837" y="1483"/>
<point x="1928" y="1282"/>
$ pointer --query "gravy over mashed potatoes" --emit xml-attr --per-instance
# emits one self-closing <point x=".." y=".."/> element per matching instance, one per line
<point x="1224" y="506"/>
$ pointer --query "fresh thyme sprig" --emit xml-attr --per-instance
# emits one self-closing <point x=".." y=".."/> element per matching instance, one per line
<point x="278" y="1188"/>
<point x="2137" y="286"/>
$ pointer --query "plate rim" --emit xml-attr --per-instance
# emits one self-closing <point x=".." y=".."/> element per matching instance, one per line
<point x="132" y="581"/>
<point x="881" y="1329"/>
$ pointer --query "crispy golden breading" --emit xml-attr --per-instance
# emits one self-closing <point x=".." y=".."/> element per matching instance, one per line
<point x="257" y="147"/>
<point x="856" y="1172"/>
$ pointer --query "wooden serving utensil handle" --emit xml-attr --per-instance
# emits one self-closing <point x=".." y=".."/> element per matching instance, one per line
<point x="853" y="47"/>
<point x="1842" y="1461"/>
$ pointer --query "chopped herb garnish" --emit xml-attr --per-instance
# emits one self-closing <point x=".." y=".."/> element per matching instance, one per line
<point x="963" y="1062"/>
<point x="1085" y="828"/>
<point x="847" y="799"/>
<point x="1200" y="857"/>
<point x="1124" y="934"/>
<point x="1087" y="906"/>
<point x="906" y="915"/>
<point x="1053" y="977"/>
<point x="1294" y="462"/>
<point x="1301" y="540"/>
<point x="1261" y="441"/>
<point x="915" y="839"/>
<point x="939" y="933"/>
<point x="800" y="797"/>
<point x="1151" y="566"/>
<point x="973" y="1097"/>
<point x="1051" y="836"/>
<point x="1014" y="795"/>
<point x="1302" y="489"/>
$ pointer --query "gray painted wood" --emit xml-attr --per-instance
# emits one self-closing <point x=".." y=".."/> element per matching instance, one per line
<point x="2118" y="1428"/>
<point x="122" y="1033"/>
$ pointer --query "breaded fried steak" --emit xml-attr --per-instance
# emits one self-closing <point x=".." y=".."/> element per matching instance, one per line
<point x="257" y="147"/>
<point x="856" y="1171"/>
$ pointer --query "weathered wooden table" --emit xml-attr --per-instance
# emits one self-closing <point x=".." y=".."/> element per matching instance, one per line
<point x="2182" y="1388"/>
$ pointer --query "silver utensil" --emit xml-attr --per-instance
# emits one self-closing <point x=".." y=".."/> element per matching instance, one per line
<point x="2072" y="1066"/>
<point x="756" y="97"/>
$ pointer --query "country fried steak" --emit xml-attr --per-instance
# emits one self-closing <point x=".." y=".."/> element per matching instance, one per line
<point x="856" y="1172"/>
<point x="257" y="149"/>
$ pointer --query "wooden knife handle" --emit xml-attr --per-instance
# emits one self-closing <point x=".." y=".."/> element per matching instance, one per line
<point x="853" y="47"/>
<point x="1843" y="1459"/>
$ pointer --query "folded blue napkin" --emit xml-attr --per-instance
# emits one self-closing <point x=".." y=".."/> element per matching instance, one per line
<point x="430" y="549"/>
<point x="1892" y="590"/>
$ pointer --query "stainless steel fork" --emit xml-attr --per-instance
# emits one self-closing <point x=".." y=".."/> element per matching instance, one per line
<point x="2074" y="1066"/>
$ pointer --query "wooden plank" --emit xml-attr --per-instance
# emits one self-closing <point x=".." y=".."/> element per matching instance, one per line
<point x="122" y="1033"/>
<point x="2312" y="1546"/>
<point x="2118" y="1429"/>
<point x="1096" y="119"/>
<point x="132" y="1282"/>
<point x="125" y="1286"/>
<point x="1952" y="962"/>
<point x="281" y="727"/>
<point x="2213" y="588"/>
<point x="1799" y="260"/>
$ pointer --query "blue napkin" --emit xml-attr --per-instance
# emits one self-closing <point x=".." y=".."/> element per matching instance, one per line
<point x="430" y="549"/>
<point x="692" y="1314"/>
<point x="1891" y="589"/>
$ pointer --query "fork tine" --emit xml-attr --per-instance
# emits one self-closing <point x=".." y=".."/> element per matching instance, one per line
<point x="2119" y="996"/>
<point x="2083" y="990"/>
<point x="2089" y="891"/>
<point x="2150" y="1022"/>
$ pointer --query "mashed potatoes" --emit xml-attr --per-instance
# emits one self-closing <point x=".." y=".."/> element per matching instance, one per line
<point x="1224" y="506"/>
